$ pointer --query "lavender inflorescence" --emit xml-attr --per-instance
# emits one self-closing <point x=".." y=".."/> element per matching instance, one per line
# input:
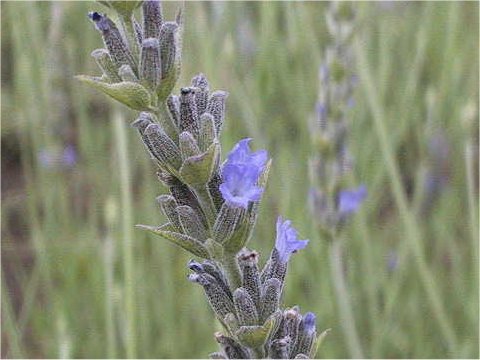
<point x="211" y="208"/>
<point x="332" y="202"/>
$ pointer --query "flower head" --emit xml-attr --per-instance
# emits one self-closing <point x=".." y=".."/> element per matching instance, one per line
<point x="240" y="175"/>
<point x="239" y="184"/>
<point x="309" y="323"/>
<point x="241" y="154"/>
<point x="287" y="241"/>
<point x="350" y="200"/>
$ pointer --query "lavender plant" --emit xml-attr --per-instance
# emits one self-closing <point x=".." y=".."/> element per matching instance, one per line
<point x="211" y="208"/>
<point x="332" y="199"/>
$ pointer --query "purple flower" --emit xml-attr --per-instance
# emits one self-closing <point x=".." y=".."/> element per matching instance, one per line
<point x="350" y="200"/>
<point x="241" y="154"/>
<point x="309" y="323"/>
<point x="69" y="157"/>
<point x="240" y="175"/>
<point x="287" y="240"/>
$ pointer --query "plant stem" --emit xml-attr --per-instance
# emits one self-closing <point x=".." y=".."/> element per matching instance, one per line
<point x="127" y="227"/>
<point x="343" y="298"/>
<point x="232" y="270"/>
<point x="206" y="202"/>
<point x="412" y="233"/>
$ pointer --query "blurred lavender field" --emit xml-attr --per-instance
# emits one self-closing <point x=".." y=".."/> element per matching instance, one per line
<point x="411" y="252"/>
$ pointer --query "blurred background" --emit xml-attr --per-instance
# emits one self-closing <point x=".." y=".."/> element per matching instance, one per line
<point x="67" y="215"/>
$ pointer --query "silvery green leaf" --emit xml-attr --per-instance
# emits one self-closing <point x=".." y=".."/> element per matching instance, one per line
<point x="271" y="292"/>
<point x="231" y="348"/>
<point x="184" y="241"/>
<point x="114" y="42"/>
<point x="216" y="107"/>
<point x="105" y="63"/>
<point x="126" y="74"/>
<point x="227" y="220"/>
<point x="191" y="223"/>
<point x="150" y="67"/>
<point x="245" y="308"/>
<point x="189" y="120"/>
<point x="317" y="343"/>
<point x="173" y="105"/>
<point x="188" y="145"/>
<point x="200" y="83"/>
<point x="131" y="94"/>
<point x="220" y="302"/>
<point x="250" y="277"/>
<point x="169" y="209"/>
<point x="163" y="148"/>
<point x="253" y="336"/>
<point x="197" y="170"/>
<point x="206" y="134"/>
<point x="152" y="18"/>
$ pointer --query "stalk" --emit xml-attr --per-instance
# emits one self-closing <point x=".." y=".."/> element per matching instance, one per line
<point x="232" y="270"/>
<point x="412" y="233"/>
<point x="127" y="235"/>
<point x="343" y="297"/>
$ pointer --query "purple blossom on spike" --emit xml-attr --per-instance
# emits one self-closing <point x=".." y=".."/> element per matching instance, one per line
<point x="287" y="241"/>
<point x="241" y="154"/>
<point x="240" y="174"/>
<point x="239" y="184"/>
<point x="350" y="200"/>
<point x="69" y="157"/>
<point x="309" y="322"/>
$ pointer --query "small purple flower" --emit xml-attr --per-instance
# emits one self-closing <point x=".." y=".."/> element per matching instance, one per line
<point x="287" y="241"/>
<point x="309" y="323"/>
<point x="392" y="261"/>
<point x="69" y="157"/>
<point x="350" y="200"/>
<point x="239" y="184"/>
<point x="56" y="158"/>
<point x="240" y="175"/>
<point x="241" y="154"/>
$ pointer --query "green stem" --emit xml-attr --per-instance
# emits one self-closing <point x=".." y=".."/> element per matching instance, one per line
<point x="473" y="217"/>
<point x="206" y="202"/>
<point x="127" y="234"/>
<point x="412" y="233"/>
<point x="232" y="270"/>
<point x="343" y="298"/>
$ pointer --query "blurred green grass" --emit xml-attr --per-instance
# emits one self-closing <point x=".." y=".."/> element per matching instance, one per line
<point x="62" y="227"/>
